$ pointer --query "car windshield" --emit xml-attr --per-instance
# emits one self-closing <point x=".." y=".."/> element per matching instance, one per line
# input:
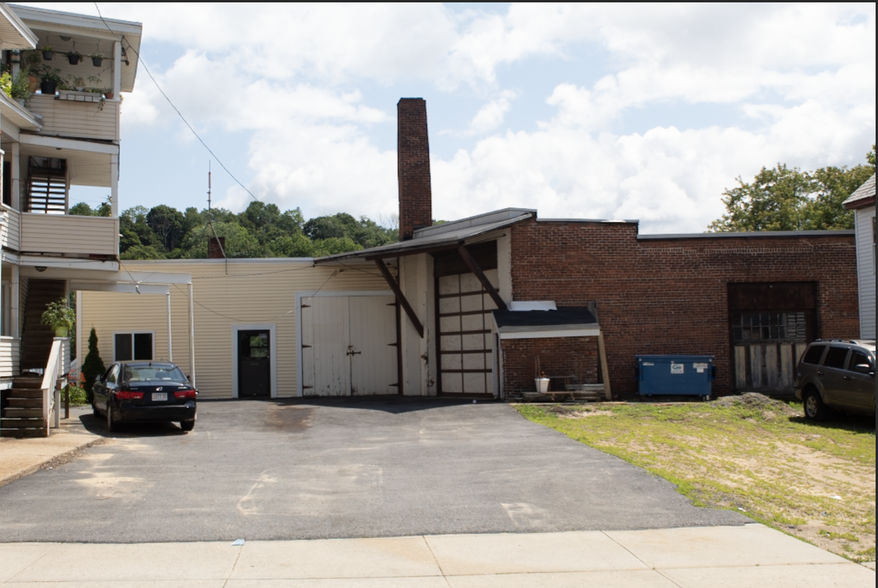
<point x="153" y="373"/>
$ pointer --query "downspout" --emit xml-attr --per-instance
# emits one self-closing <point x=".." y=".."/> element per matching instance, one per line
<point x="191" y="337"/>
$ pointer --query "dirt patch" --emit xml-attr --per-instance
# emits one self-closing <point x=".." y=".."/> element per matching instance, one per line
<point x="769" y="406"/>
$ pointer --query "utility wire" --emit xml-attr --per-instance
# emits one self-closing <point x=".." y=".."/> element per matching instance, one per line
<point x="183" y="118"/>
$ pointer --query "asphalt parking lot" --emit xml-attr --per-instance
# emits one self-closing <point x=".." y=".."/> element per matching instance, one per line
<point x="336" y="469"/>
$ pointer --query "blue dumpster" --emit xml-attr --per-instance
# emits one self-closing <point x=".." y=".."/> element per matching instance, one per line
<point x="675" y="375"/>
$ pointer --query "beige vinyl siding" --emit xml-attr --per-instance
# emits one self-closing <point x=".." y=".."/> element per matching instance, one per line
<point x="237" y="292"/>
<point x="10" y="235"/>
<point x="9" y="348"/>
<point x="59" y="233"/>
<point x="81" y="120"/>
<point x="866" y="270"/>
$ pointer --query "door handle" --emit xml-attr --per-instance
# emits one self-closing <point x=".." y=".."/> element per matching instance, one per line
<point x="847" y="377"/>
<point x="819" y="373"/>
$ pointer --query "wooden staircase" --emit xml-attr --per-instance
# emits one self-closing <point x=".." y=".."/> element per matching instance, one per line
<point x="21" y="411"/>
<point x="36" y="339"/>
<point x="21" y="407"/>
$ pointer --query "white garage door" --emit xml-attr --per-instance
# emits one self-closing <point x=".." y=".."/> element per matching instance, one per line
<point x="349" y="345"/>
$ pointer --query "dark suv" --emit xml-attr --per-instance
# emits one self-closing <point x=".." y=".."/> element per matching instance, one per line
<point x="837" y="374"/>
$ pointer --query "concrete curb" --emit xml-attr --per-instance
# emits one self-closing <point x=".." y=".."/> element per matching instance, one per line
<point x="37" y="466"/>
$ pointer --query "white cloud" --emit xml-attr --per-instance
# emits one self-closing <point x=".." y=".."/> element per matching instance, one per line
<point x="296" y="80"/>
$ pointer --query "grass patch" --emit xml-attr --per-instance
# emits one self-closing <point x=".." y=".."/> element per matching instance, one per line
<point x="815" y="481"/>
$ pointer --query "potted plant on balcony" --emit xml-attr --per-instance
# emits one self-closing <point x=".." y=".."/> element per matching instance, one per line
<point x="73" y="56"/>
<point x="48" y="52"/>
<point x="18" y="87"/>
<point x="97" y="59"/>
<point x="59" y="316"/>
<point x="50" y="77"/>
<point x="32" y="63"/>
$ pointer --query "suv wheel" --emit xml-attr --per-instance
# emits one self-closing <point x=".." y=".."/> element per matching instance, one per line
<point x="815" y="409"/>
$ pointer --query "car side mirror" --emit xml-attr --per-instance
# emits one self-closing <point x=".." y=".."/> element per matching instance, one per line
<point x="864" y="368"/>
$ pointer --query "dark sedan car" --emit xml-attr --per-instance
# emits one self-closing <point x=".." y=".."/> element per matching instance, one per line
<point x="144" y="391"/>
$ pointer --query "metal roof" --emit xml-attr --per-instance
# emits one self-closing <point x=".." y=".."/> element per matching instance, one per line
<point x="748" y="235"/>
<point x="526" y="320"/>
<point x="451" y="234"/>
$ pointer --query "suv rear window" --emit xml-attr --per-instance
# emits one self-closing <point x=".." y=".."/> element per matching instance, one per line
<point x="835" y="358"/>
<point x="814" y="353"/>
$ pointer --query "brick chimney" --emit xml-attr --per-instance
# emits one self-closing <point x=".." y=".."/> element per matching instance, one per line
<point x="413" y="152"/>
<point x="216" y="248"/>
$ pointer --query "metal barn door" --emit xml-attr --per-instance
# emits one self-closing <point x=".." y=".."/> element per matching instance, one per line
<point x="349" y="345"/>
<point x="465" y="341"/>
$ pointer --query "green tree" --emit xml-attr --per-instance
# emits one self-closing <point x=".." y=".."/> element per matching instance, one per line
<point x="92" y="365"/>
<point x="238" y="241"/>
<point x="167" y="223"/>
<point x="788" y="199"/>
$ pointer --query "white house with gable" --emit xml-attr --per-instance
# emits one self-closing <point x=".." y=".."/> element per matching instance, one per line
<point x="862" y="202"/>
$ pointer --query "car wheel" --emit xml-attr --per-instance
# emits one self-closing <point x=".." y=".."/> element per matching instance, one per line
<point x="815" y="409"/>
<point x="112" y="424"/>
<point x="187" y="425"/>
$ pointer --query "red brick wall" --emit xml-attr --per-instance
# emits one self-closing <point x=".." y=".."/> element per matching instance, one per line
<point x="670" y="295"/>
<point x="568" y="356"/>
<point x="413" y="155"/>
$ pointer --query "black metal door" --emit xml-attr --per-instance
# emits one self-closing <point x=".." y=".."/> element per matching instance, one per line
<point x="254" y="364"/>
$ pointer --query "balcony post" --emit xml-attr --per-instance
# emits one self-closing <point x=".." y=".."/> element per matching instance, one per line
<point x="117" y="69"/>
<point x="15" y="183"/>
<point x="114" y="188"/>
<point x="14" y="301"/>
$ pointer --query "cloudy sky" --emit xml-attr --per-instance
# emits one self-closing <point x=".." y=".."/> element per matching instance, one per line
<point x="590" y="111"/>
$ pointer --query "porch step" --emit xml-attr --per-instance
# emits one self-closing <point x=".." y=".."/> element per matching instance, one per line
<point x="27" y="382"/>
<point x="21" y="423"/>
<point x="24" y="433"/>
<point x="23" y="403"/>
<point x="23" y="393"/>
<point x="18" y="412"/>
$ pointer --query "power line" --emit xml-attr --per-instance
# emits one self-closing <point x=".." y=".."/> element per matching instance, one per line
<point x="183" y="118"/>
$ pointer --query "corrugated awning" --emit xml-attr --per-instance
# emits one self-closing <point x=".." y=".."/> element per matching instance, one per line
<point x="541" y="324"/>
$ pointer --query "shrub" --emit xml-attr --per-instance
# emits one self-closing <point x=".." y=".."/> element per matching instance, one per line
<point x="92" y="366"/>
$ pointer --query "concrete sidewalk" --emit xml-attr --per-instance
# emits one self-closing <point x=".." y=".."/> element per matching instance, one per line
<point x="21" y="457"/>
<point x="719" y="557"/>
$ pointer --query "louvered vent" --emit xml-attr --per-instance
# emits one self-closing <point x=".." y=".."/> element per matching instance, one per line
<point x="47" y="185"/>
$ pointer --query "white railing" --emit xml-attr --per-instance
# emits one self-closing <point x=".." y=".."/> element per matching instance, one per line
<point x="9" y="348"/>
<point x="54" y="378"/>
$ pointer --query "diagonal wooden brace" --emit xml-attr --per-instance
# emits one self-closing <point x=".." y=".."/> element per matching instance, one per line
<point x="486" y="284"/>
<point x="391" y="281"/>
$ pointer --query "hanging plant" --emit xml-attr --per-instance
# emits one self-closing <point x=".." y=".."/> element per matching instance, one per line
<point x="97" y="59"/>
<point x="73" y="57"/>
<point x="47" y="52"/>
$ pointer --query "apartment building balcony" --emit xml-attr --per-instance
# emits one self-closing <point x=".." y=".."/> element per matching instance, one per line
<point x="77" y="115"/>
<point x="62" y="235"/>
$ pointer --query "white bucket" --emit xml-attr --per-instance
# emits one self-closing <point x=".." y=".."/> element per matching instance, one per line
<point x="542" y="385"/>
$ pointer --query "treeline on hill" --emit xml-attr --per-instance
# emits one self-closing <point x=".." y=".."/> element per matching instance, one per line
<point x="163" y="232"/>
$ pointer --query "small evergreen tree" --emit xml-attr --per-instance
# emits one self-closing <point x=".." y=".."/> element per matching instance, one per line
<point x="93" y="366"/>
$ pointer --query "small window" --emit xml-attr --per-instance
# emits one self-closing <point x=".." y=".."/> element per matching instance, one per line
<point x="769" y="326"/>
<point x="132" y="346"/>
<point x="835" y="357"/>
<point x="814" y="353"/>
